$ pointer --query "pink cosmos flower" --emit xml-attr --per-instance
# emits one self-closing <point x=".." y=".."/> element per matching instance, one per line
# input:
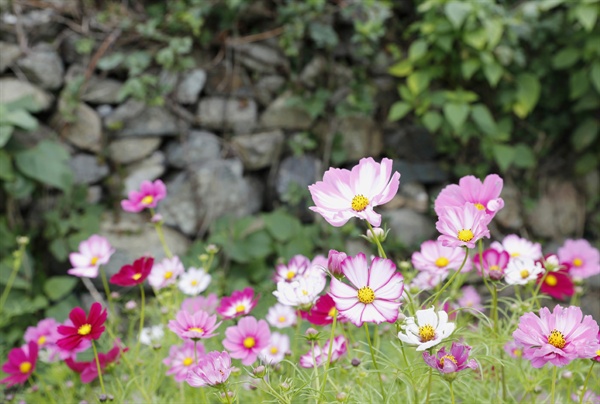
<point x="470" y="298"/>
<point x="558" y="337"/>
<point x="317" y="356"/>
<point x="435" y="257"/>
<point x="246" y="340"/>
<point x="181" y="359"/>
<point x="597" y="357"/>
<point x="56" y="352"/>
<point x="427" y="280"/>
<point x="240" y="303"/>
<point x="208" y="304"/>
<point x="279" y="345"/>
<point x="84" y="328"/>
<point x="583" y="258"/>
<point x="165" y="273"/>
<point x="453" y="361"/>
<point x="462" y="226"/>
<point x="44" y="334"/>
<point x="334" y="262"/>
<point x="213" y="369"/>
<point x="148" y="197"/>
<point x="494" y="263"/>
<point x="21" y="364"/>
<point x="345" y="194"/>
<point x="513" y="349"/>
<point x="485" y="197"/>
<point x="518" y="247"/>
<point x="89" y="370"/>
<point x="93" y="252"/>
<point x="521" y="271"/>
<point x="300" y="266"/>
<point x="557" y="284"/>
<point x="374" y="291"/>
<point x="281" y="316"/>
<point x="194" y="326"/>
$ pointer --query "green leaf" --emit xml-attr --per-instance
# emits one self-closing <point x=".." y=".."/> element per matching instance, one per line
<point x="585" y="134"/>
<point x="578" y="84"/>
<point x="432" y="120"/>
<point x="456" y="114"/>
<point x="110" y="62"/>
<point x="47" y="162"/>
<point x="418" y="82"/>
<point x="493" y="72"/>
<point x="5" y="134"/>
<point x="528" y="93"/>
<point x="417" y="50"/>
<point x="565" y="58"/>
<point x="484" y="119"/>
<point x="523" y="157"/>
<point x="494" y="29"/>
<point x="587" y="14"/>
<point x="6" y="167"/>
<point x="399" y="111"/>
<point x="469" y="67"/>
<point x="60" y="311"/>
<point x="281" y="225"/>
<point x="595" y="75"/>
<point x="20" y="118"/>
<point x="476" y="38"/>
<point x="587" y="163"/>
<point x="457" y="12"/>
<point x="504" y="156"/>
<point x="401" y="69"/>
<point x="58" y="287"/>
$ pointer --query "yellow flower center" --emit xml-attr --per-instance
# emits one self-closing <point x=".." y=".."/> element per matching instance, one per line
<point x="557" y="339"/>
<point x="197" y="329"/>
<point x="366" y="295"/>
<point x="94" y="261"/>
<point x="494" y="268"/>
<point x="194" y="282"/>
<point x="465" y="235"/>
<point x="281" y="319"/>
<point x="41" y="340"/>
<point x="479" y="206"/>
<point x="85" y="329"/>
<point x="359" y="203"/>
<point x="524" y="274"/>
<point x="449" y="357"/>
<point x="290" y="275"/>
<point x="249" y="342"/>
<point x="441" y="262"/>
<point x="305" y="292"/>
<point x="332" y="312"/>
<point x="135" y="277"/>
<point x="598" y="352"/>
<point x="168" y="274"/>
<point x="147" y="200"/>
<point x="517" y="352"/>
<point x="578" y="262"/>
<point x="240" y="308"/>
<point x="25" y="367"/>
<point x="188" y="361"/>
<point x="551" y="280"/>
<point x="515" y="254"/>
<point x="426" y="332"/>
<point x="274" y="350"/>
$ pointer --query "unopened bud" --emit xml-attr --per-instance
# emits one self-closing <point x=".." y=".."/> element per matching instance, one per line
<point x="22" y="240"/>
<point x="157" y="218"/>
<point x="567" y="374"/>
<point x="334" y="262"/>
<point x="311" y="334"/>
<point x="285" y="386"/>
<point x="376" y="234"/>
<point x="355" y="362"/>
<point x="212" y="249"/>
<point x="404" y="265"/>
<point x="115" y="295"/>
<point x="341" y="397"/>
<point x="131" y="305"/>
<point x="102" y="398"/>
<point x="259" y="371"/>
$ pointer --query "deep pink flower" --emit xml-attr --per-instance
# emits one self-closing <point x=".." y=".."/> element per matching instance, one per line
<point x="213" y="369"/>
<point x="93" y="252"/>
<point x="449" y="362"/>
<point x="148" y="197"/>
<point x="317" y="356"/>
<point x="322" y="312"/>
<point x="83" y="328"/>
<point x="484" y="196"/>
<point x="181" y="359"/>
<point x="581" y="256"/>
<point x="246" y="340"/>
<point x="373" y="294"/>
<point x="57" y="353"/>
<point x="344" y="194"/>
<point x="208" y="304"/>
<point x="558" y="337"/>
<point x="199" y="325"/>
<point x="494" y="263"/>
<point x="21" y="364"/>
<point x="462" y="226"/>
<point x="131" y="275"/>
<point x="89" y="370"/>
<point x="240" y="303"/>
<point x="557" y="284"/>
<point x="435" y="257"/>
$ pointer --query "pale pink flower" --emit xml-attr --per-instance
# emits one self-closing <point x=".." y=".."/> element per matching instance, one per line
<point x="208" y="304"/>
<point x="427" y="280"/>
<point x="373" y="294"/>
<point x="194" y="326"/>
<point x="93" y="252"/>
<point x="344" y="194"/>
<point x="166" y="272"/>
<point x="317" y="356"/>
<point x="521" y="271"/>
<point x="462" y="226"/>
<point x="148" y="196"/>
<point x="240" y="303"/>
<point x="279" y="345"/>
<point x="213" y="369"/>
<point x="513" y="349"/>
<point x="281" y="316"/>
<point x="470" y="190"/>
<point x="581" y="256"/>
<point x="181" y="359"/>
<point x="300" y="266"/>
<point x="558" y="337"/>
<point x="518" y="247"/>
<point x="45" y="334"/>
<point x="470" y="298"/>
<point x="426" y="329"/>
<point x="494" y="263"/>
<point x="247" y="339"/>
<point x="435" y="257"/>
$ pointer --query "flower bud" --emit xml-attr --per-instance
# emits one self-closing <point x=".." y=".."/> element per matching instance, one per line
<point x="376" y="234"/>
<point x="131" y="305"/>
<point x="259" y="371"/>
<point x="311" y="334"/>
<point x="102" y="398"/>
<point x="22" y="240"/>
<point x="341" y="397"/>
<point x="567" y="374"/>
<point x="285" y="386"/>
<point x="157" y="218"/>
<point x="212" y="249"/>
<point x="355" y="362"/>
<point x="334" y="261"/>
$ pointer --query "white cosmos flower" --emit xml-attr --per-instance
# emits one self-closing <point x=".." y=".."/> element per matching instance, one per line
<point x="281" y="316"/>
<point x="274" y="353"/>
<point x="151" y="335"/>
<point x="302" y="292"/>
<point x="522" y="271"/>
<point x="518" y="247"/>
<point x="427" y="329"/>
<point x="194" y="281"/>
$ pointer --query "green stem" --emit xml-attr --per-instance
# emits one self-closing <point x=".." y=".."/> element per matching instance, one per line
<point x="451" y="392"/>
<point x="587" y="378"/>
<point x="503" y="376"/>
<point x="161" y="236"/>
<point x="554" y="371"/>
<point x="98" y="367"/>
<point x="537" y="290"/>
<point x="429" y="385"/>
<point x="107" y="292"/>
<point x="495" y="307"/>
<point x="380" y="250"/>
<point x="375" y="362"/>
<point x="297" y="334"/>
<point x="454" y="276"/>
<point x="226" y="392"/>
<point x="143" y="309"/>
<point x="16" y="265"/>
<point x="331" y="337"/>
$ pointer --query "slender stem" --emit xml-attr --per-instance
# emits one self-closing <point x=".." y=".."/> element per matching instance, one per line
<point x="380" y="250"/>
<point x="297" y="334"/>
<point x="161" y="236"/>
<point x="451" y="392"/>
<point x="107" y="292"/>
<point x="13" y="275"/>
<point x="375" y="362"/>
<point x="226" y="392"/>
<point x="537" y="290"/>
<point x="495" y="307"/>
<point x="195" y="351"/>
<point x="503" y="376"/>
<point x="587" y="378"/>
<point x="454" y="276"/>
<point x="429" y="385"/>
<point x="143" y="309"/>
<point x="331" y="337"/>
<point x="98" y="367"/>
<point x="554" y="371"/>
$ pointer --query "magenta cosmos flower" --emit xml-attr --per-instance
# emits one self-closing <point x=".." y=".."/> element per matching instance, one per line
<point x="581" y="256"/>
<point x="246" y="340"/>
<point x="181" y="359"/>
<point x="240" y="303"/>
<point x="373" y="293"/>
<point x="213" y="369"/>
<point x="322" y="312"/>
<point x="21" y="364"/>
<point x="89" y="370"/>
<point x="558" y="337"/>
<point x="194" y="326"/>
<point x="462" y="226"/>
<point x="345" y="194"/>
<point x="93" y="252"/>
<point x="131" y="275"/>
<point x="557" y="284"/>
<point x="484" y="196"/>
<point x="435" y="257"/>
<point x="148" y="197"/>
<point x="450" y="362"/>
<point x="84" y="328"/>
<point x="494" y="263"/>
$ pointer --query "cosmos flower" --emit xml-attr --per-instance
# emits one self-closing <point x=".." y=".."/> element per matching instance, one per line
<point x="194" y="281"/>
<point x="450" y="362"/>
<point x="93" y="252"/>
<point x="300" y="266"/>
<point x="132" y="275"/>
<point x="21" y="364"/>
<point x="322" y="312"/>
<point x="84" y="328"/>
<point x="522" y="271"/>
<point x="240" y="303"/>
<point x="281" y="316"/>
<point x="181" y="359"/>
<point x="300" y="293"/>
<point x="518" y="247"/>
<point x="152" y="335"/>
<point x="334" y="262"/>
<point x="275" y="351"/>
<point x="462" y="226"/>
<point x="344" y="194"/>
<point x="557" y="284"/>
<point x="89" y="370"/>
<point x="208" y="304"/>
<point x="199" y="325"/>
<point x="435" y="257"/>
<point x="165" y="273"/>
<point x="213" y="369"/>
<point x="148" y="196"/>
<point x="494" y="263"/>
<point x="318" y="357"/>
<point x="426" y="329"/>
<point x="247" y="339"/>
<point x="45" y="335"/>
<point x="470" y="190"/>
<point x="513" y="349"/>
<point x="470" y="298"/>
<point x="426" y="280"/>
<point x="581" y="256"/>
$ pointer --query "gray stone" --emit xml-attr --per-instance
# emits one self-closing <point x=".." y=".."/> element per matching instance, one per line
<point x="411" y="195"/>
<point x="12" y="90"/>
<point x="43" y="66"/>
<point x="102" y="91"/>
<point x="180" y="209"/>
<point x="240" y="115"/>
<point x="87" y="169"/>
<point x="410" y="142"/>
<point x="190" y="86"/>
<point x="197" y="148"/>
<point x="10" y="53"/>
<point x="226" y="78"/>
<point x="267" y="87"/>
<point x="261" y="58"/>
<point x="427" y="172"/>
<point x="94" y="194"/>
<point x="282" y="114"/>
<point x="168" y="80"/>
<point x="511" y="215"/>
<point x="85" y="132"/>
<point x="38" y="24"/>
<point x="134" y="118"/>
<point x="127" y="151"/>
<point x="296" y="173"/>
<point x="410" y="227"/>
<point x="314" y="70"/>
<point x="259" y="150"/>
<point x="360" y="137"/>
<point x="148" y="169"/>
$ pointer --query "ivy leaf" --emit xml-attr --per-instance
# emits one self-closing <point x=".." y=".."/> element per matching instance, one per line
<point x="456" y="114"/>
<point x="47" y="162"/>
<point x="595" y="75"/>
<point x="585" y="134"/>
<point x="484" y="119"/>
<point x="528" y="94"/>
<point x="504" y="156"/>
<point x="432" y="120"/>
<point x="457" y="12"/>
<point x="399" y="111"/>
